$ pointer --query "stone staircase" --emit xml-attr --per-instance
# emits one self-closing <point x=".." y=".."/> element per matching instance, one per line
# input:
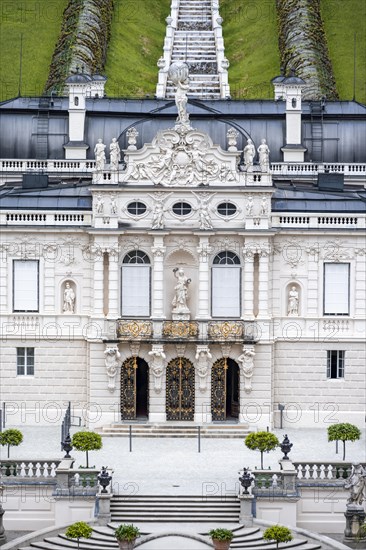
<point x="102" y="538"/>
<point x="218" y="431"/>
<point x="200" y="46"/>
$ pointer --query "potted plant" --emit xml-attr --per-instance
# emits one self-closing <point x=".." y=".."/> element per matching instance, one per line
<point x="126" y="536"/>
<point x="86" y="441"/>
<point x="11" y="438"/>
<point x="261" y="441"/>
<point x="221" y="538"/>
<point x="343" y="432"/>
<point x="278" y="533"/>
<point x="79" y="530"/>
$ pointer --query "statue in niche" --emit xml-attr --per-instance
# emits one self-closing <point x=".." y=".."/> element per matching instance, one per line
<point x="293" y="302"/>
<point x="202" y="356"/>
<point x="264" y="206"/>
<point x="249" y="206"/>
<point x="264" y="151"/>
<point x="203" y="211"/>
<point x="99" y="151"/>
<point x="112" y="362"/>
<point x="115" y="154"/>
<point x="99" y="205"/>
<point x="69" y="299"/>
<point x="159" y="210"/>
<point x="179" y="302"/>
<point x="157" y="366"/>
<point x="356" y="484"/>
<point x="249" y="154"/>
<point x="113" y="206"/>
<point x="179" y="75"/>
<point x="247" y="367"/>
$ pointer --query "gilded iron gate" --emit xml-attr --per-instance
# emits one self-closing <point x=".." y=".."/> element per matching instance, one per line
<point x="218" y="390"/>
<point x="180" y="390"/>
<point x="128" y="389"/>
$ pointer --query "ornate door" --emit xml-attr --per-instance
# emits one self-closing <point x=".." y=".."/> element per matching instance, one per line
<point x="218" y="390"/>
<point x="128" y="389"/>
<point x="180" y="390"/>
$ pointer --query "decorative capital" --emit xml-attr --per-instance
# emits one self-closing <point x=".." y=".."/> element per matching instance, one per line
<point x="134" y="348"/>
<point x="158" y="251"/>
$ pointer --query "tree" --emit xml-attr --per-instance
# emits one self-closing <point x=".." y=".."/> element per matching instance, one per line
<point x="11" y="438"/>
<point x="279" y="533"/>
<point x="261" y="441"/>
<point x="79" y="530"/>
<point x="87" y="441"/>
<point x="343" y="432"/>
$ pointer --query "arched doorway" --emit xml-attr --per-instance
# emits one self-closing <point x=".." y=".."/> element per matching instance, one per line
<point x="225" y="380"/>
<point x="180" y="389"/>
<point x="134" y="389"/>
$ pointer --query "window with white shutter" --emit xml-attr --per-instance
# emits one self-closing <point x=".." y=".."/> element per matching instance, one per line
<point x="136" y="285"/>
<point x="26" y="285"/>
<point x="226" y="286"/>
<point x="336" y="289"/>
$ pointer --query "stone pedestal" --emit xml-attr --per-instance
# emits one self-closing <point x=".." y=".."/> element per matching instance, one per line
<point x="104" y="514"/>
<point x="245" y="515"/>
<point x="181" y="316"/>
<point x="355" y="517"/>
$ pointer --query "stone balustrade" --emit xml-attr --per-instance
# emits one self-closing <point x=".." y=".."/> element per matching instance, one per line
<point x="76" y="219"/>
<point x="11" y="469"/>
<point x="318" y="221"/>
<point x="52" y="166"/>
<point x="315" y="168"/>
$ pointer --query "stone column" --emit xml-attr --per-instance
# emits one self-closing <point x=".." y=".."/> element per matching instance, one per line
<point x="157" y="290"/>
<point x="248" y="282"/>
<point x="203" y="364"/>
<point x="113" y="277"/>
<point x="204" y="249"/>
<point x="263" y="282"/>
<point x="98" y="287"/>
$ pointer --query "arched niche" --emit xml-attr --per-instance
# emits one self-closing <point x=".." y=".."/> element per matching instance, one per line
<point x="68" y="297"/>
<point x="293" y="299"/>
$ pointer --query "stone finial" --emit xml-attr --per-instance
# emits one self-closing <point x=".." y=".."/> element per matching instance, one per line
<point x="132" y="135"/>
<point x="232" y="139"/>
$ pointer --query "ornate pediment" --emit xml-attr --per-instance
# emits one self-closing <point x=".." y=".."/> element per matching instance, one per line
<point x="181" y="156"/>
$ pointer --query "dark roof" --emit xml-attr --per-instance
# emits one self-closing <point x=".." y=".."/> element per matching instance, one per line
<point x="313" y="200"/>
<point x="78" y="78"/>
<point x="60" y="197"/>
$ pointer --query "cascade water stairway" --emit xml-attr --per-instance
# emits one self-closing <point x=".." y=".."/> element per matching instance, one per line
<point x="196" y="42"/>
<point x="218" y="431"/>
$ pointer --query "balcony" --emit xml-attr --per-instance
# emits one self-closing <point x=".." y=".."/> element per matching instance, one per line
<point x="217" y="331"/>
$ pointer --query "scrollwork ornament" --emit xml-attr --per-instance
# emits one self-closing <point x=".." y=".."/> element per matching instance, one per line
<point x="112" y="362"/>
<point x="157" y="365"/>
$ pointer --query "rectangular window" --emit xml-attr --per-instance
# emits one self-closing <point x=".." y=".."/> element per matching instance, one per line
<point x="136" y="290"/>
<point x="335" y="364"/>
<point x="336" y="289"/>
<point x="25" y="285"/>
<point x="226" y="292"/>
<point x="25" y="361"/>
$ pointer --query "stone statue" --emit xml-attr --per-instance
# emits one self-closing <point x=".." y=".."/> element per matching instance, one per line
<point x="113" y="206"/>
<point x="99" y="206"/>
<point x="179" y="302"/>
<point x="69" y="298"/>
<point x="264" y="151"/>
<point x="356" y="484"/>
<point x="112" y="362"/>
<point x="115" y="154"/>
<point x="157" y="366"/>
<point x="249" y="206"/>
<point x="249" y="154"/>
<point x="247" y="367"/>
<point x="100" y="159"/>
<point x="202" y="356"/>
<point x="203" y="212"/>
<point x="264" y="206"/>
<point x="293" y="302"/>
<point x="159" y="210"/>
<point x="178" y="74"/>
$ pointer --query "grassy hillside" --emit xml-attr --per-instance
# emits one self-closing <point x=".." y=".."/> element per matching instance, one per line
<point x="341" y="21"/>
<point x="40" y="24"/>
<point x="138" y="31"/>
<point x="251" y="45"/>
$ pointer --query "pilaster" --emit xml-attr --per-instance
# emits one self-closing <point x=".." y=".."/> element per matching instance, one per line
<point x="158" y="251"/>
<point x="248" y="283"/>
<point x="113" y="277"/>
<point x="203" y="250"/>
<point x="263" y="282"/>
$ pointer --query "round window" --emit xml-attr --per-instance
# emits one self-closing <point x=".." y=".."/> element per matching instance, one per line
<point x="136" y="208"/>
<point x="226" y="209"/>
<point x="182" y="208"/>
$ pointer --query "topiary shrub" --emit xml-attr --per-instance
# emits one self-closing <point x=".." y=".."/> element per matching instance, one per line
<point x="262" y="442"/>
<point x="86" y="441"/>
<point x="343" y="432"/>
<point x="278" y="533"/>
<point x="11" y="438"/>
<point x="79" y="530"/>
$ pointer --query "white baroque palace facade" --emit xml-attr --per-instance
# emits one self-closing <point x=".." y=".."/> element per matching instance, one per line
<point x="161" y="276"/>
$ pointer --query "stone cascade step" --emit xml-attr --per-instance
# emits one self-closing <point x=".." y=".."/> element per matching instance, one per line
<point x="168" y="509"/>
<point x="147" y="430"/>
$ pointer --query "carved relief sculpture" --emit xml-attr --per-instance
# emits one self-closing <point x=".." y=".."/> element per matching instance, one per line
<point x="247" y="367"/>
<point x="112" y="362"/>
<point x="356" y="484"/>
<point x="202" y="357"/>
<point x="157" y="365"/>
<point x="113" y="205"/>
<point x="69" y="299"/>
<point x="293" y="302"/>
<point x="99" y="205"/>
<point x="115" y="154"/>
<point x="264" y="206"/>
<point x="158" y="210"/>
<point x="264" y="151"/>
<point x="249" y="206"/>
<point x="203" y="211"/>
<point x="249" y="154"/>
<point x="100" y="159"/>
<point x="179" y="302"/>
